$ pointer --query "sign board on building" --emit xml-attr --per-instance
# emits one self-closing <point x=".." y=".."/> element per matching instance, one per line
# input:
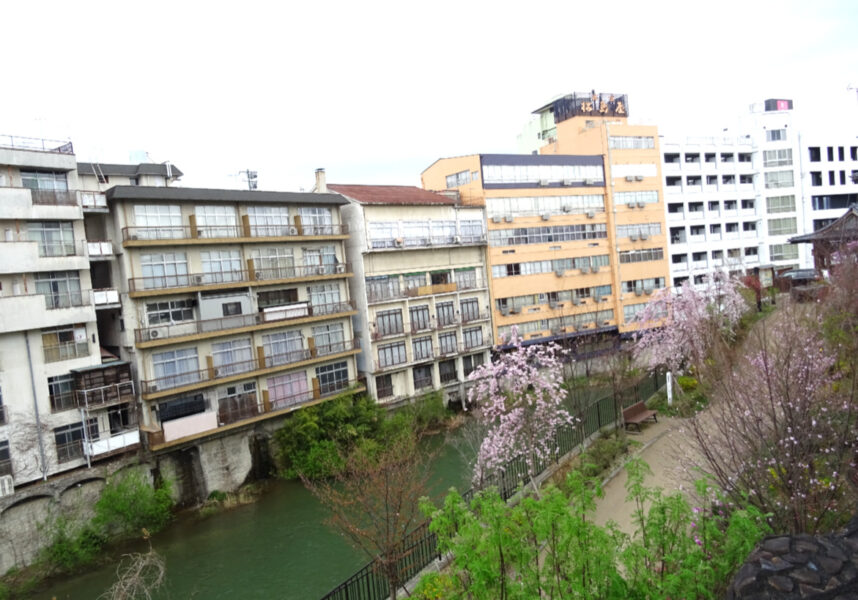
<point x="592" y="104"/>
<point x="774" y="104"/>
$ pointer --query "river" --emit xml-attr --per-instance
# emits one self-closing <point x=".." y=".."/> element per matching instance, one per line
<point x="276" y="547"/>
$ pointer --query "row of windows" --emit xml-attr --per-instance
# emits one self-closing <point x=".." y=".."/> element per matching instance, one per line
<point x="717" y="255"/>
<point x="637" y="229"/>
<point x="644" y="255"/>
<point x="651" y="283"/>
<point x="643" y="196"/>
<point x="423" y="374"/>
<point x="816" y="178"/>
<point x="783" y="252"/>
<point x="493" y="174"/>
<point x="630" y="142"/>
<point x="784" y="226"/>
<point x="547" y="266"/>
<point x="538" y="326"/>
<point x="519" y="302"/>
<point x="543" y="235"/>
<point x="834" y="201"/>
<point x="384" y="234"/>
<point x="421" y="348"/>
<point x="389" y="322"/>
<point x="164" y="221"/>
<point x="676" y="180"/>
<point x="816" y="153"/>
<point x="461" y="178"/>
<point x="708" y="157"/>
<point x="539" y="205"/>
<point x="779" y="179"/>
<point x="777" y="158"/>
<point x="779" y="204"/>
<point x="396" y="286"/>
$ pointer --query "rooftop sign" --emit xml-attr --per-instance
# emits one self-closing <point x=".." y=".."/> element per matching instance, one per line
<point x="592" y="104"/>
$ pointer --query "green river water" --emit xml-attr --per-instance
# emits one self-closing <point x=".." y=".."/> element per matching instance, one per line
<point x="277" y="547"/>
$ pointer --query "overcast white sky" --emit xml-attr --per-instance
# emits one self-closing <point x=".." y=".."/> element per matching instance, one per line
<point x="376" y="91"/>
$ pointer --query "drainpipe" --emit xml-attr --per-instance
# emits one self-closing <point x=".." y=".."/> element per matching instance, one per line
<point x="36" y="408"/>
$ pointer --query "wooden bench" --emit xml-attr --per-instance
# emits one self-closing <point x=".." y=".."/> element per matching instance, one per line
<point x="638" y="413"/>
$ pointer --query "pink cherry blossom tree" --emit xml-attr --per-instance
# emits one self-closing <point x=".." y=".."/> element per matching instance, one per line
<point x="679" y="329"/>
<point x="520" y="396"/>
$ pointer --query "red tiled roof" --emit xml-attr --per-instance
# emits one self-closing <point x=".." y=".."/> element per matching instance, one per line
<point x="390" y="194"/>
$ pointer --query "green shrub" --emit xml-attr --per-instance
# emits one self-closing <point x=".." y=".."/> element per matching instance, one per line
<point x="128" y="503"/>
<point x="217" y="496"/>
<point x="602" y="453"/>
<point x="687" y="383"/>
<point x="72" y="547"/>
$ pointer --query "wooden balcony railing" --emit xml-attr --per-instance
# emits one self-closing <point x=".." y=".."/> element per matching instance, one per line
<point x="246" y="230"/>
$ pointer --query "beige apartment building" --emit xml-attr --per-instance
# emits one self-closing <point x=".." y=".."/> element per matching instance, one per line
<point x="420" y="289"/>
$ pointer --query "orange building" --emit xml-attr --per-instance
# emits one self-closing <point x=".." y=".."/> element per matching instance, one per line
<point x="577" y="238"/>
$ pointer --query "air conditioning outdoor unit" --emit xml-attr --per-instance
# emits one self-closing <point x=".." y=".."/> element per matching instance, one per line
<point x="546" y="216"/>
<point x="504" y="310"/>
<point x="259" y="275"/>
<point x="560" y="272"/>
<point x="567" y="182"/>
<point x="598" y="299"/>
<point x="585" y="270"/>
<point x="496" y="219"/>
<point x="198" y="279"/>
<point x="322" y="270"/>
<point x="567" y="208"/>
<point x="648" y="291"/>
<point x="293" y="231"/>
<point x="7" y="486"/>
<point x="341" y="268"/>
<point x="638" y="177"/>
<point x="508" y="218"/>
<point x="154" y="334"/>
<point x="589" y="182"/>
<point x="134" y="237"/>
<point x="638" y="292"/>
<point x="595" y="268"/>
<point x="514" y="310"/>
<point x="457" y="239"/>
<point x="631" y="205"/>
<point x="644" y="236"/>
<point x="543" y="183"/>
<point x="630" y="177"/>
<point x="633" y="237"/>
<point x="591" y="214"/>
<point x="641" y="204"/>
<point x="398" y="242"/>
<point x="153" y="387"/>
<point x="576" y="300"/>
<point x="552" y="304"/>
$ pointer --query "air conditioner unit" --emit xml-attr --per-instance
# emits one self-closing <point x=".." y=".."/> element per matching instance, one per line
<point x="457" y="239"/>
<point x="597" y="298"/>
<point x="504" y="310"/>
<point x="630" y="177"/>
<point x="198" y="279"/>
<point x="153" y="387"/>
<point x="322" y="270"/>
<point x="576" y="300"/>
<point x="641" y="204"/>
<point x="591" y="214"/>
<point x="496" y="219"/>
<point x="134" y="237"/>
<point x="644" y="236"/>
<point x="633" y="237"/>
<point x="546" y="216"/>
<point x="293" y="230"/>
<point x="589" y="182"/>
<point x="648" y="291"/>
<point x="552" y="304"/>
<point x="595" y="268"/>
<point x="638" y="292"/>
<point x="341" y="268"/>
<point x="567" y="208"/>
<point x="560" y="272"/>
<point x="154" y="334"/>
<point x="638" y="177"/>
<point x="508" y="218"/>
<point x="514" y="310"/>
<point x="585" y="270"/>
<point x="259" y="275"/>
<point x="631" y="205"/>
<point x="7" y="486"/>
<point x="398" y="242"/>
<point x="568" y="182"/>
<point x="543" y="183"/>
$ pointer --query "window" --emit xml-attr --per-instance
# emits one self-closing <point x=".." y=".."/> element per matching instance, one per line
<point x="221" y="266"/>
<point x="776" y="135"/>
<point x="646" y="197"/>
<point x="457" y="179"/>
<point x="628" y="142"/>
<point x="391" y="354"/>
<point x="176" y="367"/>
<point x="416" y="233"/>
<point x="37" y="180"/>
<point x="831" y="178"/>
<point x="64" y="343"/>
<point x="543" y="235"/>
<point x="169" y="312"/>
<point x="232" y="357"/>
<point x="470" y="309"/>
<point x="158" y="222"/>
<point x="779" y="179"/>
<point x="316" y="220"/>
<point x="471" y="230"/>
<point x="422" y="377"/>
<point x="466" y="279"/>
<point x="276" y="298"/>
<point x="522" y="206"/>
<point x="447" y="371"/>
<point x="471" y="362"/>
<point x="447" y="343"/>
<point x="443" y="232"/>
<point x="783" y="252"/>
<point x="532" y="174"/>
<point x="414" y="280"/>
<point x="421" y="348"/>
<point x="324" y="257"/>
<point x="288" y="390"/>
<point x="61" y="392"/>
<point x="652" y="283"/>
<point x="446" y="313"/>
<point x="61" y="289"/>
<point x="419" y="316"/>
<point x="783" y="226"/>
<point x="779" y="204"/>
<point x="329" y="339"/>
<point x="5" y="459"/>
<point x="389" y="322"/>
<point x="216" y="221"/>
<point x="231" y="308"/>
<point x="283" y="347"/>
<point x="647" y="254"/>
<point x="815" y="155"/>
<point x="324" y="294"/>
<point x="748" y="205"/>
<point x="777" y="158"/>
<point x="383" y="234"/>
<point x="69" y="439"/>
<point x="121" y="418"/>
<point x="816" y="178"/>
<point x="333" y="378"/>
<point x="383" y="288"/>
<point x="181" y="407"/>
<point x="749" y="226"/>
<point x="384" y="386"/>
<point x="834" y="201"/>
<point x="751" y="251"/>
<point x="273" y="263"/>
<point x="268" y="221"/>
<point x="631" y="312"/>
<point x="830" y="154"/>
<point x="55" y="238"/>
<point x="638" y="229"/>
<point x="165" y="270"/>
<point x="472" y="338"/>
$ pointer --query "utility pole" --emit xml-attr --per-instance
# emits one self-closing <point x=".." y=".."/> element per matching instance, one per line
<point x="250" y="177"/>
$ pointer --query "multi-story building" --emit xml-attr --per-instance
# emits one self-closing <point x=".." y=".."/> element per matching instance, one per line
<point x="66" y="401"/>
<point x="576" y="228"/>
<point x="420" y="288"/>
<point x="235" y="305"/>
<point x="829" y="165"/>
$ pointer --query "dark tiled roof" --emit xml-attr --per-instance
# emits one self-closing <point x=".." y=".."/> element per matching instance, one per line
<point x="844" y="229"/>
<point x="84" y="168"/>
<point x="182" y="194"/>
<point x="391" y="194"/>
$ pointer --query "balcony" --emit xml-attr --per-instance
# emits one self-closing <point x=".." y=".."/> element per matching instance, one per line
<point x="25" y="256"/>
<point x="53" y="198"/>
<point x="699" y="264"/>
<point x="269" y="318"/>
<point x="431" y="290"/>
<point x="680" y="266"/>
<point x="99" y="250"/>
<point x="152" y="286"/>
<point x="696" y="239"/>
<point x="678" y="215"/>
<point x="475" y="317"/>
<point x="16" y="142"/>
<point x="731" y="235"/>
<point x="93" y="202"/>
<point x="424" y="243"/>
<point x="66" y="351"/>
<point x="218" y="234"/>
<point x="262" y="365"/>
<point x="121" y="441"/>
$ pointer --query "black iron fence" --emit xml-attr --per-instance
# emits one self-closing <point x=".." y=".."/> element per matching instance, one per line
<point x="420" y="547"/>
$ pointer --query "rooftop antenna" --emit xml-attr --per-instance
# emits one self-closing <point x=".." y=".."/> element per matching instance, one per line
<point x="251" y="177"/>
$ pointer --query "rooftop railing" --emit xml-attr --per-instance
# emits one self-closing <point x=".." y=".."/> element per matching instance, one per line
<point x="36" y="144"/>
<point x="188" y="232"/>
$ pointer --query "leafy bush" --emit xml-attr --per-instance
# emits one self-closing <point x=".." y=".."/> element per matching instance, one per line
<point x="72" y="547"/>
<point x="128" y="503"/>
<point x="602" y="453"/>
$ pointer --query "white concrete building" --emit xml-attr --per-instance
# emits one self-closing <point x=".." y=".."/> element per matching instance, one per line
<point x="420" y="288"/>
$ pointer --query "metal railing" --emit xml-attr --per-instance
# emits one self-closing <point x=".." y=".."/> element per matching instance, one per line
<point x="420" y="547"/>
<point x="238" y="408"/>
<point x="186" y="232"/>
<point x="54" y="197"/>
<point x="161" y="282"/>
<point x="397" y="292"/>
<point x="18" y="142"/>
<point x="426" y="242"/>
<point x="122" y="391"/>
<point x="66" y="351"/>
<point x="217" y="372"/>
<point x="224" y="324"/>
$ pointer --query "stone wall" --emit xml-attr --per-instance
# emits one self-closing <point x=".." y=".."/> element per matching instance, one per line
<point x="799" y="567"/>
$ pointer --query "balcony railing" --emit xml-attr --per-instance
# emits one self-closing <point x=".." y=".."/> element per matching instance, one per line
<point x="422" y="382"/>
<point x="397" y="293"/>
<point x="93" y="201"/>
<point x="66" y="351"/>
<point x="186" y="232"/>
<point x="288" y="312"/>
<point x="54" y="197"/>
<point x="17" y="142"/>
<point x="105" y="395"/>
<point x="218" y="372"/>
<point x="238" y="408"/>
<point x="427" y="242"/>
<point x="116" y="442"/>
<point x="99" y="249"/>
<point x="474" y="317"/>
<point x="161" y="282"/>
<point x="105" y="298"/>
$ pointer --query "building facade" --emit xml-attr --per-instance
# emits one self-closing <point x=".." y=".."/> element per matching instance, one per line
<point x="420" y="289"/>
<point x="576" y="228"/>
